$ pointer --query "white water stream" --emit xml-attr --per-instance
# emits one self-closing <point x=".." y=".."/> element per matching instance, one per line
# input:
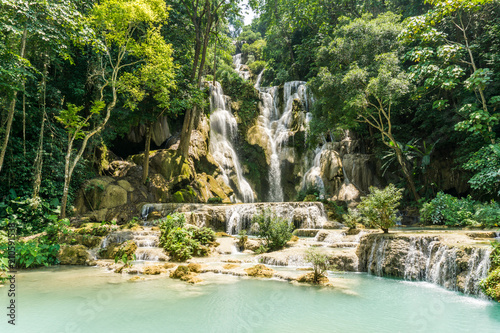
<point x="223" y="131"/>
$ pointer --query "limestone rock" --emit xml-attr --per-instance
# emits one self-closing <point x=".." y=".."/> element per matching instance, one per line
<point x="73" y="255"/>
<point x="260" y="271"/>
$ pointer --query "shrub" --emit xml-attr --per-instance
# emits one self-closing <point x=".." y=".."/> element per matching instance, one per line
<point x="214" y="200"/>
<point x="242" y="239"/>
<point x="33" y="253"/>
<point x="182" y="243"/>
<point x="320" y="264"/>
<point x="257" y="66"/>
<point x="170" y="223"/>
<point x="448" y="210"/>
<point x="491" y="285"/>
<point x="28" y="215"/>
<point x="352" y="218"/>
<point x="379" y="207"/>
<point x="275" y="231"/>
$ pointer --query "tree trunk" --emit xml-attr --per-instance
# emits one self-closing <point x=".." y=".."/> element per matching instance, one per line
<point x="215" y="58"/>
<point x="39" y="154"/>
<point x="145" y="168"/>
<point x="385" y="230"/>
<point x="12" y="107"/>
<point x="67" y="177"/>
<point x="406" y="172"/>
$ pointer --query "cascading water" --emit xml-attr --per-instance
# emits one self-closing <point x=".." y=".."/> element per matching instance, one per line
<point x="312" y="177"/>
<point x="245" y="74"/>
<point x="426" y="259"/>
<point x="223" y="130"/>
<point x="147" y="245"/>
<point x="278" y="128"/>
<point x="302" y="214"/>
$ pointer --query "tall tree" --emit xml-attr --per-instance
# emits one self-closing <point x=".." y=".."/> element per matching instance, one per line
<point x="204" y="14"/>
<point x="25" y="22"/>
<point x="129" y="35"/>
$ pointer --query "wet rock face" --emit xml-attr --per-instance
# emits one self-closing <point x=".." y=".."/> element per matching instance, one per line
<point x="233" y="218"/>
<point x="456" y="266"/>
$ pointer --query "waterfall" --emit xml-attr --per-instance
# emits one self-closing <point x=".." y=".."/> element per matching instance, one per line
<point x="425" y="258"/>
<point x="147" y="245"/>
<point x="301" y="214"/>
<point x="259" y="78"/>
<point x="223" y="131"/>
<point x="244" y="74"/>
<point x="277" y="126"/>
<point x="313" y="175"/>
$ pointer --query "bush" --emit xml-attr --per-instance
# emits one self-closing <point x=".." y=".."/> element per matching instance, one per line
<point x="182" y="243"/>
<point x="257" y="66"/>
<point x="170" y="223"/>
<point x="214" y="200"/>
<point x="320" y="264"/>
<point x="491" y="285"/>
<point x="448" y="210"/>
<point x="28" y="215"/>
<point x="379" y="207"/>
<point x="275" y="231"/>
<point x="352" y="218"/>
<point x="33" y="253"/>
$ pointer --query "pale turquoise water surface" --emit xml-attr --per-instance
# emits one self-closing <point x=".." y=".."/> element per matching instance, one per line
<point x="90" y="300"/>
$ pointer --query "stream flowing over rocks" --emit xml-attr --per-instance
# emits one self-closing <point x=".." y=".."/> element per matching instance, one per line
<point x="451" y="262"/>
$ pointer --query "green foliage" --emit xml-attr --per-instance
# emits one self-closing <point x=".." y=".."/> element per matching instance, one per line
<point x="274" y="230"/>
<point x="28" y="215"/>
<point x="214" y="200"/>
<point x="125" y="259"/>
<point x="491" y="285"/>
<point x="448" y="210"/>
<point x="321" y="263"/>
<point x="379" y="207"/>
<point x="171" y="222"/>
<point x="33" y="253"/>
<point x="352" y="218"/>
<point x="485" y="164"/>
<point x="242" y="93"/>
<point x="183" y="243"/>
<point x="257" y="66"/>
<point x="242" y="239"/>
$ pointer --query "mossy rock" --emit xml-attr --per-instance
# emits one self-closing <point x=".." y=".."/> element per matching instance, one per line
<point x="310" y="198"/>
<point x="260" y="271"/>
<point x="173" y="166"/>
<point x="181" y="271"/>
<point x="231" y="266"/>
<point x="195" y="268"/>
<point x="89" y="241"/>
<point x="73" y="255"/>
<point x="309" y="278"/>
<point x="128" y="248"/>
<point x="185" y="196"/>
<point x="491" y="285"/>
<point x="152" y="270"/>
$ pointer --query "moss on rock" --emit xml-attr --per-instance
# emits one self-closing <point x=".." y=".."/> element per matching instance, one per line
<point x="73" y="255"/>
<point x="260" y="271"/>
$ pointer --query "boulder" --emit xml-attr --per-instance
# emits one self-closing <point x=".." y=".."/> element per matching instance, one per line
<point x="74" y="255"/>
<point x="260" y="271"/>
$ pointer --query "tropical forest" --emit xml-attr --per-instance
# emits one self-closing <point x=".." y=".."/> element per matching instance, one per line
<point x="203" y="165"/>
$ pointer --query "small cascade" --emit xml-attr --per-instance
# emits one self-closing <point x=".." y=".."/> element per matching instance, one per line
<point x="478" y="266"/>
<point x="312" y="177"/>
<point x="147" y="245"/>
<point x="238" y="66"/>
<point x="426" y="259"/>
<point x="259" y="78"/>
<point x="223" y="131"/>
<point x="302" y="215"/>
